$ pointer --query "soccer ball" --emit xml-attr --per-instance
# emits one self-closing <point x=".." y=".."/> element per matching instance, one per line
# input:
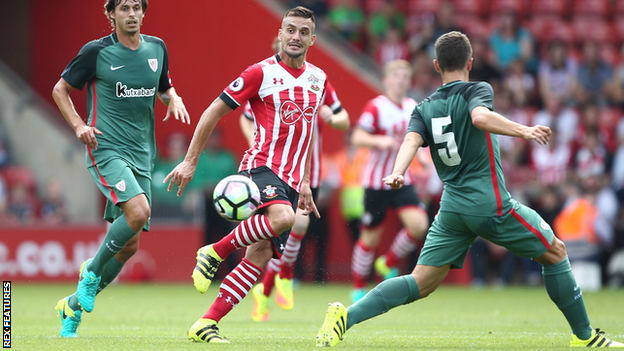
<point x="236" y="198"/>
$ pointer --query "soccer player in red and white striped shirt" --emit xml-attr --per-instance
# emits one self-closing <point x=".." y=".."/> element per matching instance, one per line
<point x="381" y="127"/>
<point x="279" y="273"/>
<point x="285" y="93"/>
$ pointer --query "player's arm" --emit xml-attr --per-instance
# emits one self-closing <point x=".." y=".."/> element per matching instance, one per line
<point x="306" y="202"/>
<point x="339" y="120"/>
<point x="247" y="127"/>
<point x="492" y="122"/>
<point x="175" y="106"/>
<point x="362" y="138"/>
<point x="183" y="172"/>
<point x="411" y="143"/>
<point x="60" y="94"/>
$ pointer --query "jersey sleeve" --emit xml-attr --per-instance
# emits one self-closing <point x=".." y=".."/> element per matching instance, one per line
<point x="481" y="94"/>
<point x="164" y="83"/>
<point x="248" y="113"/>
<point x="81" y="69"/>
<point x="369" y="119"/>
<point x="417" y="125"/>
<point x="244" y="87"/>
<point x="331" y="98"/>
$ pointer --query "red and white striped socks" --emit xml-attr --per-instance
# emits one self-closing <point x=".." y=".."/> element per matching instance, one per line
<point x="233" y="290"/>
<point x="249" y="231"/>
<point x="402" y="246"/>
<point x="361" y="264"/>
<point x="268" y="280"/>
<point x="289" y="257"/>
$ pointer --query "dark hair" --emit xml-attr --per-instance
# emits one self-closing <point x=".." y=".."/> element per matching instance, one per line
<point x="453" y="50"/>
<point x="109" y="6"/>
<point x="300" y="11"/>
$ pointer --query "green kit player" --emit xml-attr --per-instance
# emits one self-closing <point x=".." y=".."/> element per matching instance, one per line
<point x="124" y="72"/>
<point x="460" y="126"/>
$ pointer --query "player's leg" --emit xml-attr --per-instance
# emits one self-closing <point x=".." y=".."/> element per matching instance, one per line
<point x="375" y="204"/>
<point x="523" y="232"/>
<point x="446" y="246"/>
<point x="415" y="224"/>
<point x="266" y="224"/>
<point x="284" y="281"/>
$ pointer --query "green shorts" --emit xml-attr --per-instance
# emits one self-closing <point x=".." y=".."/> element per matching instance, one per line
<point x="521" y="231"/>
<point x="120" y="182"/>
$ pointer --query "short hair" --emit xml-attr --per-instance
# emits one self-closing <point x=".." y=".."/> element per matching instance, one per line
<point x="300" y="11"/>
<point x="453" y="50"/>
<point x="109" y="6"/>
<point x="396" y="64"/>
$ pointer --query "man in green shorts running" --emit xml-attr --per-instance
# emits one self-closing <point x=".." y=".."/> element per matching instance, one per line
<point x="124" y="72"/>
<point x="460" y="126"/>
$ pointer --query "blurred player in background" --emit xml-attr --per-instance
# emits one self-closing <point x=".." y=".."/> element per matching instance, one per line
<point x="279" y="273"/>
<point x="460" y="126"/>
<point x="285" y="94"/>
<point x="381" y="127"/>
<point x="124" y="72"/>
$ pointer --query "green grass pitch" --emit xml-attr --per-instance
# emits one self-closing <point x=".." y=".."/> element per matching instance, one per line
<point x="156" y="317"/>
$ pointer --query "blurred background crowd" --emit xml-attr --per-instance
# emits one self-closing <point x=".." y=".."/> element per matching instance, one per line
<point x="551" y="62"/>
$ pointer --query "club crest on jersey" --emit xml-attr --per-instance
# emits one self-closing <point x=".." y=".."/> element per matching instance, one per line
<point x="237" y="84"/>
<point x="153" y="63"/>
<point x="121" y="186"/>
<point x="314" y="82"/>
<point x="291" y="113"/>
<point x="269" y="191"/>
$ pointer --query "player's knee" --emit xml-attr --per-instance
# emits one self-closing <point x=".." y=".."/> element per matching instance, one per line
<point x="282" y="220"/>
<point x="555" y="254"/>
<point x="260" y="253"/>
<point x="301" y="224"/>
<point x="138" y="217"/>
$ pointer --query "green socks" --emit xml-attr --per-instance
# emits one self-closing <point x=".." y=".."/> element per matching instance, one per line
<point x="111" y="271"/>
<point x="385" y="296"/>
<point x="566" y="294"/>
<point x="117" y="237"/>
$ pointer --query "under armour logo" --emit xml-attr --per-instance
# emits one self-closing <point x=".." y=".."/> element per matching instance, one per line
<point x="233" y="242"/>
<point x="278" y="81"/>
<point x="282" y="247"/>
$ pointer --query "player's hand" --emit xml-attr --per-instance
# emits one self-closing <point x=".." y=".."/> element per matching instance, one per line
<point x="388" y="143"/>
<point x="326" y="113"/>
<point x="541" y="134"/>
<point x="395" y="181"/>
<point x="181" y="175"/>
<point x="178" y="110"/>
<point x="306" y="202"/>
<point x="87" y="134"/>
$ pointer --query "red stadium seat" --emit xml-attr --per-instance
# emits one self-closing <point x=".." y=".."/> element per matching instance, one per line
<point x="473" y="26"/>
<point x="618" y="27"/>
<point x="13" y="175"/>
<point x="550" y="27"/>
<point x="469" y="7"/>
<point x="421" y="7"/>
<point x="591" y="7"/>
<point x="594" y="28"/>
<point x="518" y="6"/>
<point x="549" y="7"/>
<point x="619" y="7"/>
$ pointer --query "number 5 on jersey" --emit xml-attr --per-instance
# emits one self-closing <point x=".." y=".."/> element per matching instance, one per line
<point x="449" y="154"/>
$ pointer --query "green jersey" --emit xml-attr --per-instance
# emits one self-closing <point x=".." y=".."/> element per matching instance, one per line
<point x="122" y="86"/>
<point x="466" y="158"/>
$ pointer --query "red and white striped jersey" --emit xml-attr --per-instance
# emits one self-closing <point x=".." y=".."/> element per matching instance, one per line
<point x="381" y="116"/>
<point x="330" y="99"/>
<point x="284" y="102"/>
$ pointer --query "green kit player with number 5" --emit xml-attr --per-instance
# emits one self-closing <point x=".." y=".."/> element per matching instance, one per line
<point x="460" y="126"/>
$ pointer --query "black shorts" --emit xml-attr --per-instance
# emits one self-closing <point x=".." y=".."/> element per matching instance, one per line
<point x="377" y="201"/>
<point x="273" y="190"/>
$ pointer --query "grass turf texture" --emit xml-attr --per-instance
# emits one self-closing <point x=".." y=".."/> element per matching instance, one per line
<point x="157" y="317"/>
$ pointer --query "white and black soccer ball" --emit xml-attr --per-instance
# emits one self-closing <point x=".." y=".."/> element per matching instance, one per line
<point x="236" y="198"/>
